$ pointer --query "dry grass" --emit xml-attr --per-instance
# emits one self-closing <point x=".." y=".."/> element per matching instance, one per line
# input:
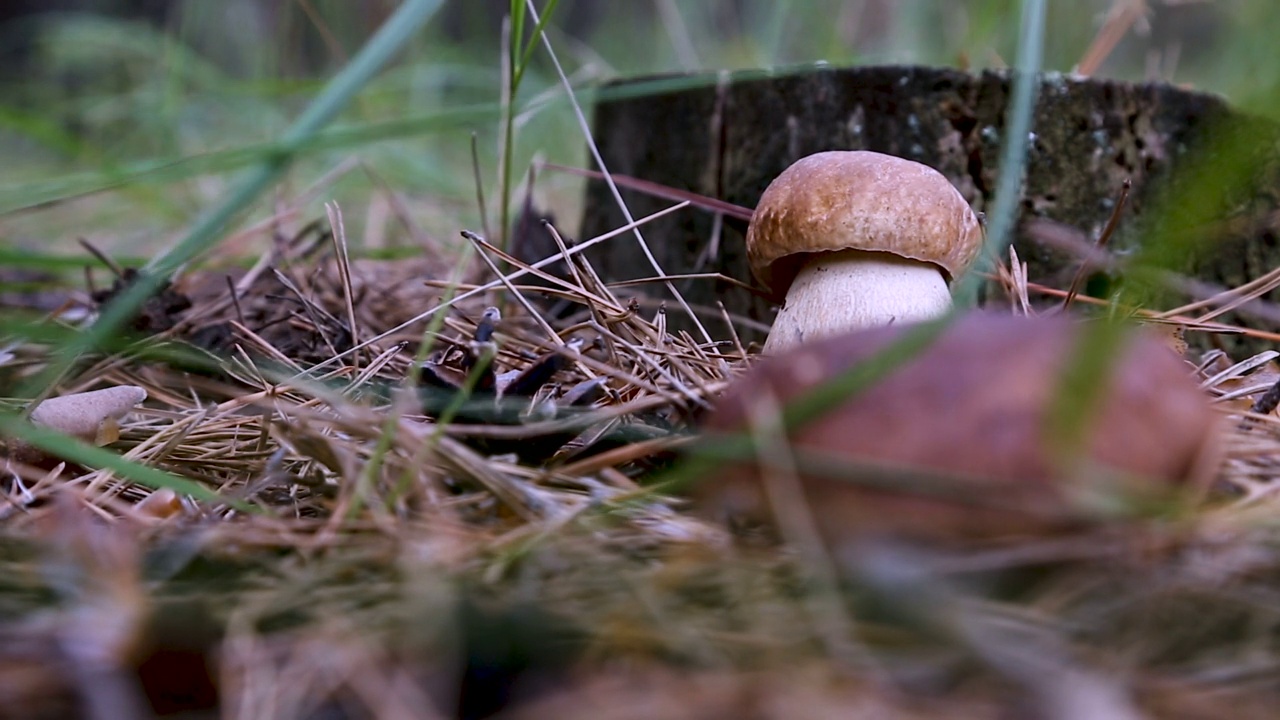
<point x="326" y="447"/>
<point x="383" y="535"/>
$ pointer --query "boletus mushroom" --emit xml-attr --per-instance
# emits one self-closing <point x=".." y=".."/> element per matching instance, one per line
<point x="959" y="440"/>
<point x="858" y="239"/>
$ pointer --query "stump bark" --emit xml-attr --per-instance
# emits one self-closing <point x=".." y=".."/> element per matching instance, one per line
<point x="729" y="137"/>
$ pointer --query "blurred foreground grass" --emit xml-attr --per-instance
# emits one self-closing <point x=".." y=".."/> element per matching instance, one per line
<point x="124" y="134"/>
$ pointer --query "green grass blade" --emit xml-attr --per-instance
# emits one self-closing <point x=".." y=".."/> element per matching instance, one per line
<point x="160" y="171"/>
<point x="69" y="448"/>
<point x="1013" y="160"/>
<point x="919" y="337"/>
<point x="706" y="457"/>
<point x="529" y="48"/>
<point x="28" y="195"/>
<point x="395" y="33"/>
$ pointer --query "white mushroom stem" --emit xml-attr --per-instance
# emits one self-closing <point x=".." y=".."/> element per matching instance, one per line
<point x="848" y="290"/>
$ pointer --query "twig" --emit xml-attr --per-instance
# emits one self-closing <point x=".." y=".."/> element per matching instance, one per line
<point x="496" y="283"/>
<point x="1103" y="239"/>
<point x="344" y="274"/>
<point x="613" y="188"/>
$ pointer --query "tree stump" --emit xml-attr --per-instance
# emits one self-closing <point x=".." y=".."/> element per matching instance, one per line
<point x="731" y="136"/>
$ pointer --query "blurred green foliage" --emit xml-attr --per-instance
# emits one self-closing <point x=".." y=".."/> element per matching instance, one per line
<point x="122" y="130"/>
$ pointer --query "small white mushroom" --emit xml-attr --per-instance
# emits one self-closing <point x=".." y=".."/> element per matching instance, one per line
<point x="159" y="505"/>
<point x="858" y="239"/>
<point x="92" y="416"/>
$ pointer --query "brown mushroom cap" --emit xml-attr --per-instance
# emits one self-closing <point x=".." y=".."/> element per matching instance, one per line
<point x="859" y="200"/>
<point x="971" y="412"/>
